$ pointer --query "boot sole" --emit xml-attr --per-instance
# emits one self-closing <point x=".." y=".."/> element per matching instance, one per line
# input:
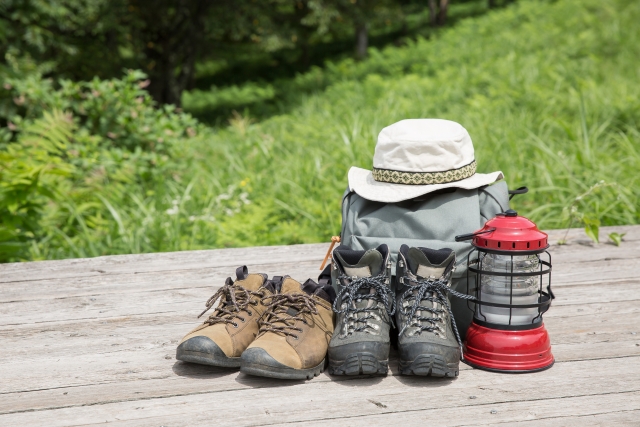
<point x="359" y="364"/>
<point x="261" y="370"/>
<point x="429" y="365"/>
<point x="208" y="359"/>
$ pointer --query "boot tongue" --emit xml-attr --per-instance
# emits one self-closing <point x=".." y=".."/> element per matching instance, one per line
<point x="252" y="282"/>
<point x="360" y="263"/>
<point x="290" y="286"/>
<point x="430" y="263"/>
<point x="323" y="292"/>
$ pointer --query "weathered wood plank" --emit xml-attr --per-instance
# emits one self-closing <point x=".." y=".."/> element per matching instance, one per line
<point x="208" y="280"/>
<point x="144" y="350"/>
<point x="603" y="264"/>
<point x="231" y="258"/>
<point x="373" y="401"/>
<point x="578" y="236"/>
<point x="190" y="298"/>
<point x="620" y="418"/>
<point x="107" y="339"/>
<point x="161" y="262"/>
<point x="132" y="283"/>
<point x="508" y="413"/>
<point x="567" y="322"/>
<point x="178" y="379"/>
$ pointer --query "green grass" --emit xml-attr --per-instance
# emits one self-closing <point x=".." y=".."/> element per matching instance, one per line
<point x="548" y="91"/>
<point x="269" y="82"/>
<point x="272" y="88"/>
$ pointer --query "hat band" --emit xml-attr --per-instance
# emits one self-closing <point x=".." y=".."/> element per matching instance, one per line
<point x="424" y="178"/>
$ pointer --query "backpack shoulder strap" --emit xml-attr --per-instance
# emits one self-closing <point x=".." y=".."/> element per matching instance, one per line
<point x="493" y="200"/>
<point x="345" y="208"/>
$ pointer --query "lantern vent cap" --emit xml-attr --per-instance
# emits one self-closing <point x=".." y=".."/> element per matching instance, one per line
<point x="510" y="232"/>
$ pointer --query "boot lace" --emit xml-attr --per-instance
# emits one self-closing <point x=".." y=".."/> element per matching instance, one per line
<point x="277" y="319"/>
<point x="379" y="292"/>
<point x="434" y="291"/>
<point x="234" y="299"/>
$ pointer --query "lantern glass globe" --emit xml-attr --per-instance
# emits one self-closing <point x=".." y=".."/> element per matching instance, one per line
<point x="514" y="290"/>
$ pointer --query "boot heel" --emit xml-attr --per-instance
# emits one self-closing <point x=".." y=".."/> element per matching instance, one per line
<point x="360" y="364"/>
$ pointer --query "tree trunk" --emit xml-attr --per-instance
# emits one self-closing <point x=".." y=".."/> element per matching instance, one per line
<point x="362" y="41"/>
<point x="433" y="12"/>
<point x="172" y="45"/>
<point x="304" y="33"/>
<point x="442" y="13"/>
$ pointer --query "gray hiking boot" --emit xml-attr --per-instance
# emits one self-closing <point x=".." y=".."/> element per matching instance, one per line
<point x="428" y="339"/>
<point x="364" y="307"/>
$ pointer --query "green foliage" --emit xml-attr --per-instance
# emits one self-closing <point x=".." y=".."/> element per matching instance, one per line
<point x="575" y="216"/>
<point x="199" y="102"/>
<point x="283" y="88"/>
<point x="78" y="38"/>
<point x="82" y="39"/>
<point x="592" y="228"/>
<point x="548" y="91"/>
<point x="616" y="238"/>
<point x="29" y="173"/>
<point x="70" y="155"/>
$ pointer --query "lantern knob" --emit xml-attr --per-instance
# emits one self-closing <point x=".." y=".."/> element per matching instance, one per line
<point x="510" y="213"/>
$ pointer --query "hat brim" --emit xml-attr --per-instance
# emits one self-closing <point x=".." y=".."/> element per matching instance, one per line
<point x="361" y="181"/>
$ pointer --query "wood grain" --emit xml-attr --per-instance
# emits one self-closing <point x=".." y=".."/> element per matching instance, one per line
<point x="91" y="341"/>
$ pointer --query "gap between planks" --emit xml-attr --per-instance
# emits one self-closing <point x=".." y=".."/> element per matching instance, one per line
<point x="148" y="354"/>
<point x="312" y="400"/>
<point x="114" y="307"/>
<point x="231" y="258"/>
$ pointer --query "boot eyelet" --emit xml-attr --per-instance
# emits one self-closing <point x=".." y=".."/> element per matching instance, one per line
<point x="235" y="325"/>
<point x="242" y="319"/>
<point x="250" y="313"/>
<point x="295" y="337"/>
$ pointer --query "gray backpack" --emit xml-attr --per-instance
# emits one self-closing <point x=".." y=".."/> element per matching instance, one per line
<point x="431" y="221"/>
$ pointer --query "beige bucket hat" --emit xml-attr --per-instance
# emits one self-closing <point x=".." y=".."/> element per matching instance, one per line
<point x="418" y="156"/>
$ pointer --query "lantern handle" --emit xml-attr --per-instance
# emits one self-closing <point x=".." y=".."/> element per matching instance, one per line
<point x="470" y="236"/>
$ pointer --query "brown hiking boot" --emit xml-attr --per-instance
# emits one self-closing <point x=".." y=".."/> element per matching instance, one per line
<point x="232" y="326"/>
<point x="294" y="332"/>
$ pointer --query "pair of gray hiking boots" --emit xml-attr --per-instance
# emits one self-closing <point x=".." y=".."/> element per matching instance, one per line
<point x="366" y="304"/>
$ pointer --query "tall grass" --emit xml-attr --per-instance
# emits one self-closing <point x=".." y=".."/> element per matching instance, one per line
<point x="548" y="91"/>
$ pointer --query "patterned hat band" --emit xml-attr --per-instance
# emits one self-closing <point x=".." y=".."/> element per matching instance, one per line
<point x="424" y="178"/>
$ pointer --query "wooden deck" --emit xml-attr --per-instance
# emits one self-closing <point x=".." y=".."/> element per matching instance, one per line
<point x="92" y="341"/>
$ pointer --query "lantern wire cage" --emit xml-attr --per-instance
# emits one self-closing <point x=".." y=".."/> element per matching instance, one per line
<point x="475" y="262"/>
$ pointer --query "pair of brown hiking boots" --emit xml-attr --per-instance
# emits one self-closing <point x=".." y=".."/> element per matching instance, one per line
<point x="274" y="328"/>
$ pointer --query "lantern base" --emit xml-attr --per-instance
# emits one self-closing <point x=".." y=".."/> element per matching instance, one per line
<point x="508" y="351"/>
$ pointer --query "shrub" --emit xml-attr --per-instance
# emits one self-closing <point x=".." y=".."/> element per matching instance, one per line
<point x="548" y="91"/>
<point x="72" y="153"/>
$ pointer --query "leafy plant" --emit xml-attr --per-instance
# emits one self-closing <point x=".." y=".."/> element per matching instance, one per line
<point x="616" y="238"/>
<point x="74" y="155"/>
<point x="548" y="91"/>
<point x="591" y="223"/>
<point x="592" y="228"/>
<point x="29" y="174"/>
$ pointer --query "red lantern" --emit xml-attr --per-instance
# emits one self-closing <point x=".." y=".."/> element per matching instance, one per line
<point x="511" y="264"/>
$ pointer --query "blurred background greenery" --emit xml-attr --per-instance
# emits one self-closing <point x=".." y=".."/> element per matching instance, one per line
<point x="135" y="126"/>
